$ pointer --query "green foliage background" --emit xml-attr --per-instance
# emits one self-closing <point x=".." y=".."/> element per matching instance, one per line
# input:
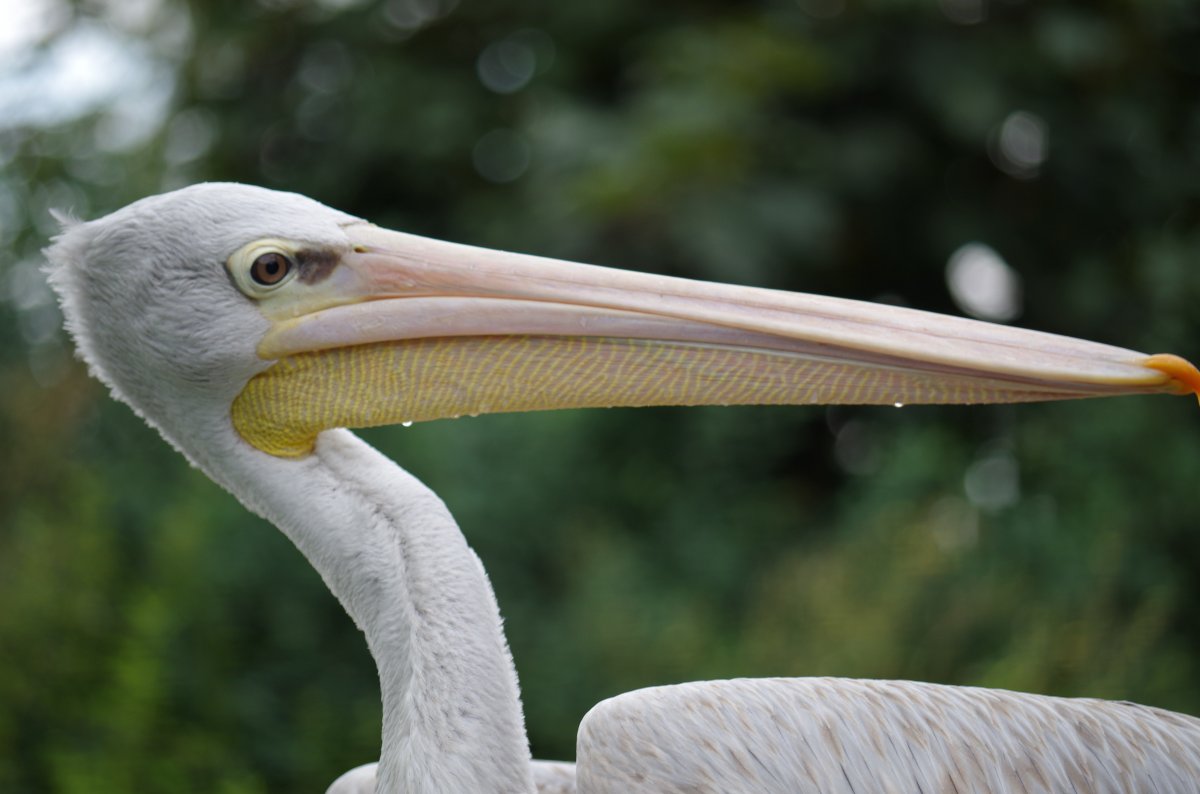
<point x="155" y="638"/>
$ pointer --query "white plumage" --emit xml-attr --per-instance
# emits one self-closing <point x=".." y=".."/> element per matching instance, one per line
<point x="157" y="317"/>
<point x="845" y="735"/>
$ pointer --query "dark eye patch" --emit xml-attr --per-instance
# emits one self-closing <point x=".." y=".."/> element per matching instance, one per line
<point x="314" y="265"/>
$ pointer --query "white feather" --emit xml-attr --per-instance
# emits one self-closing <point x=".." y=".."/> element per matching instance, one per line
<point x="845" y="735"/>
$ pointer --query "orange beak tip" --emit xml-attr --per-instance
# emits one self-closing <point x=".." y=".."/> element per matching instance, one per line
<point x="1181" y="371"/>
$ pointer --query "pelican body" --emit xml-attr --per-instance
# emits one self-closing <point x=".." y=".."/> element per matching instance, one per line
<point x="250" y="327"/>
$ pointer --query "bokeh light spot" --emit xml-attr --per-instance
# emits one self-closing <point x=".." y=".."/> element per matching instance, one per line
<point x="983" y="284"/>
<point x="501" y="156"/>
<point x="1019" y="147"/>
<point x="993" y="482"/>
<point x="409" y="15"/>
<point x="506" y="66"/>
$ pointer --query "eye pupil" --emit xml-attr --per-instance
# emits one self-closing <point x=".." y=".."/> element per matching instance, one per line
<point x="270" y="268"/>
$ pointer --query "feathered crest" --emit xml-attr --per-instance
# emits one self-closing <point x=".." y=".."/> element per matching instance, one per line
<point x="65" y="218"/>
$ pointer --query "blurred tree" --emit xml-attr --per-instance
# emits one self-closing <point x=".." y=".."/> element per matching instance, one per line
<point x="156" y="638"/>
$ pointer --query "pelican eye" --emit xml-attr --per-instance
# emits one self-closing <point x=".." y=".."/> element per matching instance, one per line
<point x="262" y="268"/>
<point x="270" y="268"/>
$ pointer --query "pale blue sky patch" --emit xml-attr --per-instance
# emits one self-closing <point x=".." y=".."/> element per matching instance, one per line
<point x="53" y="70"/>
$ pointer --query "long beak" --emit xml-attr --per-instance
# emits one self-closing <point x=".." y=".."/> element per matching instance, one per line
<point x="416" y="329"/>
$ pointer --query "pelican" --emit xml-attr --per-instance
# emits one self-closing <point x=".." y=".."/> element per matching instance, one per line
<point x="251" y="327"/>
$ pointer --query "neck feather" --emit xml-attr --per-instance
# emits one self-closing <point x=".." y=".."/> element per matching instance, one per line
<point x="391" y="553"/>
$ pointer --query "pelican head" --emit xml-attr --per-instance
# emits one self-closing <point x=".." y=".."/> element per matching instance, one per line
<point x="152" y="308"/>
<point x="224" y="306"/>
